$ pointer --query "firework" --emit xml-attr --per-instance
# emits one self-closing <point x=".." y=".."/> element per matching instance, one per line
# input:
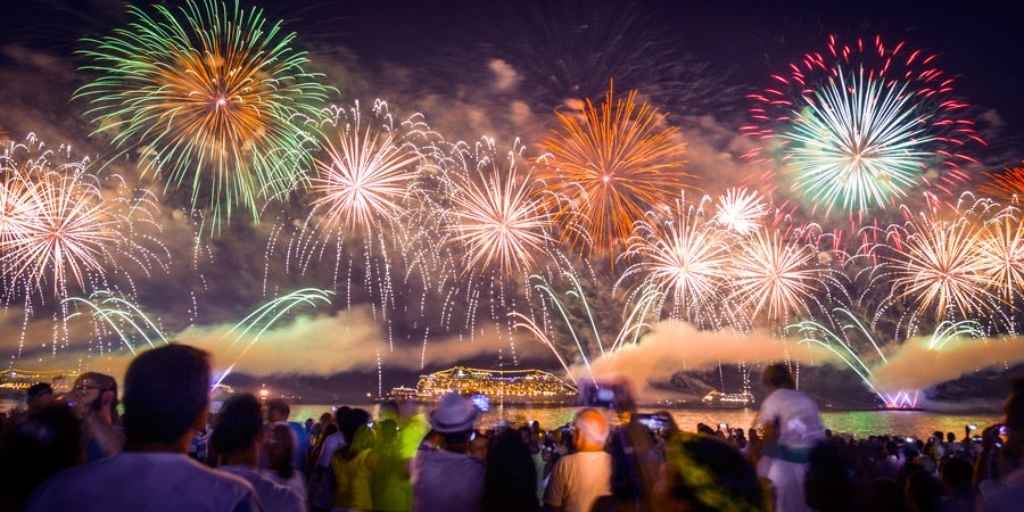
<point x="775" y="276"/>
<point x="938" y="268"/>
<point x="741" y="210"/>
<point x="214" y="91"/>
<point x="500" y="218"/>
<point x="1001" y="254"/>
<point x="366" y="175"/>
<point x="1007" y="187"/>
<point x="859" y="127"/>
<point x="686" y="259"/>
<point x="610" y="169"/>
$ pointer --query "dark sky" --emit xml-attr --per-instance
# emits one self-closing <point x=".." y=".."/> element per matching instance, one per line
<point x="413" y="52"/>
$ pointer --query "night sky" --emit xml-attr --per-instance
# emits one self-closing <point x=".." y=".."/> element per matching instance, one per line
<point x="696" y="60"/>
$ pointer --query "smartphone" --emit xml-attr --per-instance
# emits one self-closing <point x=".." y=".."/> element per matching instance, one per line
<point x="481" y="401"/>
<point x="723" y="426"/>
<point x="654" y="422"/>
<point x="971" y="426"/>
<point x="1004" y="431"/>
<point x="607" y="396"/>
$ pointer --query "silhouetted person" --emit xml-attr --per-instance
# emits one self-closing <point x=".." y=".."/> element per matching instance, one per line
<point x="511" y="482"/>
<point x="165" y="401"/>
<point x="97" y="394"/>
<point x="1006" y="492"/>
<point x="35" y="447"/>
<point x="445" y="476"/>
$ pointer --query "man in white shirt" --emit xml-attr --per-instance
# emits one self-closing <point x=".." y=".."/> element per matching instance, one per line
<point x="165" y="401"/>
<point x="579" y="479"/>
<point x="793" y="427"/>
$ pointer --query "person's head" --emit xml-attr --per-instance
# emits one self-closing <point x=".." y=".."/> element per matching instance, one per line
<point x="32" y="449"/>
<point x="239" y="426"/>
<point x="340" y="413"/>
<point x="279" y="448"/>
<point x="352" y="423"/>
<point x="98" y="393"/>
<point x="38" y="395"/>
<point x="950" y="437"/>
<point x="277" y="410"/>
<point x="590" y="430"/>
<point x="166" y="395"/>
<point x="705" y="474"/>
<point x="388" y="410"/>
<point x="777" y="375"/>
<point x="454" y="418"/>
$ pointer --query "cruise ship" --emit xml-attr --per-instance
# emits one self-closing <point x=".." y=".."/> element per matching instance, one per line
<point x="728" y="400"/>
<point x="16" y="382"/>
<point x="512" y="387"/>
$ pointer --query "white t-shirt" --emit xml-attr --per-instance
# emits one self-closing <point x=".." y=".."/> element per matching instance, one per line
<point x="274" y="497"/>
<point x="799" y="420"/>
<point x="154" y="482"/>
<point x="332" y="443"/>
<point x="578" y="480"/>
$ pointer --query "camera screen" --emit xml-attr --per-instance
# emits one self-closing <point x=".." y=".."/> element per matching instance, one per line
<point x="481" y="402"/>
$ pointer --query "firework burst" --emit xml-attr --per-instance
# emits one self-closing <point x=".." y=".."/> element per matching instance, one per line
<point x="366" y="174"/>
<point x="857" y="128"/>
<point x="775" y="276"/>
<point x="1001" y="254"/>
<point x="740" y="210"/>
<point x="1007" y="187"/>
<point x="500" y="217"/>
<point x="214" y="91"/>
<point x="686" y="260"/>
<point x="609" y="169"/>
<point x="937" y="268"/>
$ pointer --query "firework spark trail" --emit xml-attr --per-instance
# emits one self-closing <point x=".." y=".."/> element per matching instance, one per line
<point x="215" y="91"/>
<point x="499" y="214"/>
<point x="858" y="127"/>
<point x="741" y="210"/>
<point x="614" y="166"/>
<point x="119" y="314"/>
<point x="365" y="177"/>
<point x="937" y="268"/>
<point x="1007" y="186"/>
<point x="777" y="277"/>
<point x="687" y="260"/>
<point x="1001" y="254"/>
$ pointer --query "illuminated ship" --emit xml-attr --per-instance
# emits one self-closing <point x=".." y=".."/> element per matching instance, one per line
<point x="16" y="382"/>
<point x="525" y="387"/>
<point x="728" y="400"/>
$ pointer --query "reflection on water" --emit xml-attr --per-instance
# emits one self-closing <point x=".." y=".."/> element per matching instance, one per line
<point x="858" y="423"/>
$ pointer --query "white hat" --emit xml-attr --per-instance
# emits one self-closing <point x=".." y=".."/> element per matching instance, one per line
<point x="454" y="413"/>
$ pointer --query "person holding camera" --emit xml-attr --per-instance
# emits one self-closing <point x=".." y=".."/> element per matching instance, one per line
<point x="999" y="471"/>
<point x="97" y="397"/>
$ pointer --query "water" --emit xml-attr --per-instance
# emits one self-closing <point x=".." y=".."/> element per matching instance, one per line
<point x="861" y="424"/>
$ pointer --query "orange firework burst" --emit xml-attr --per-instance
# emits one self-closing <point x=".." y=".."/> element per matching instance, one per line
<point x="1008" y="186"/>
<point x="608" y="169"/>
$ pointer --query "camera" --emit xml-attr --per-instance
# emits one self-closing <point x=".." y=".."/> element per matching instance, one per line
<point x="654" y="422"/>
<point x="604" y="395"/>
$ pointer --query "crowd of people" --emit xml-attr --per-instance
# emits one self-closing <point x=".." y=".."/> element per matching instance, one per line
<point x="169" y="452"/>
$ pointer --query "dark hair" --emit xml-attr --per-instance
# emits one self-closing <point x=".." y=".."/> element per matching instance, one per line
<point x="778" y="375"/>
<point x="340" y="413"/>
<point x="166" y="390"/>
<point x="351" y="423"/>
<point x="510" y="483"/>
<point x="279" y="406"/>
<point x="34" y="448"/>
<point x="279" y="446"/>
<point x="37" y="389"/>
<point x="239" y="424"/>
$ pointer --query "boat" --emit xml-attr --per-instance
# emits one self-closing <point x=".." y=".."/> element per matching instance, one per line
<point x="506" y="387"/>
<point x="721" y="400"/>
